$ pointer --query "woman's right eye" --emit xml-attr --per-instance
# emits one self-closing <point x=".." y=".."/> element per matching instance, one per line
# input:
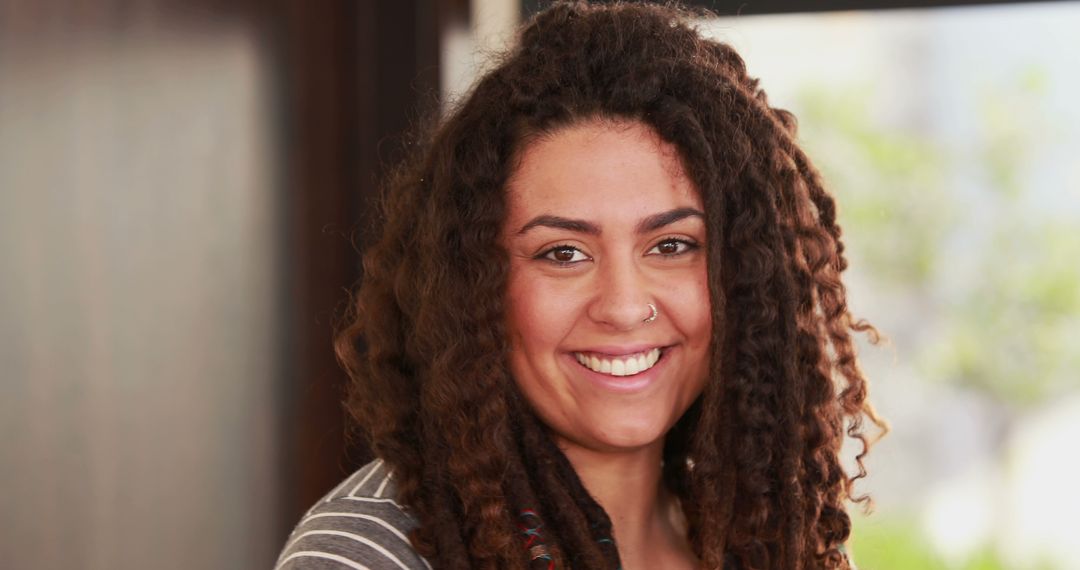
<point x="563" y="255"/>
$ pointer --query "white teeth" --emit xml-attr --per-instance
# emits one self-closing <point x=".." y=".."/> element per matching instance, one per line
<point x="625" y="366"/>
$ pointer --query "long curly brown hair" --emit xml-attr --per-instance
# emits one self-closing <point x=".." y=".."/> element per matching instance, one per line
<point x="755" y="460"/>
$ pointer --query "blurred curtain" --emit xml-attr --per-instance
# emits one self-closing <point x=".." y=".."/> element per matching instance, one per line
<point x="140" y="297"/>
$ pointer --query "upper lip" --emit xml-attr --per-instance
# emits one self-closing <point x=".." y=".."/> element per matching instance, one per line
<point x="621" y="349"/>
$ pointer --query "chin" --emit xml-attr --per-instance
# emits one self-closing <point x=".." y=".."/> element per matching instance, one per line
<point x="630" y="436"/>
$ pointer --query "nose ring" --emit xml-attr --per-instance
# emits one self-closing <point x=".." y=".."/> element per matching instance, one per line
<point x="653" y="315"/>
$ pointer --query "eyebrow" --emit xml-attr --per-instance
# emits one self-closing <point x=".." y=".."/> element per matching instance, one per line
<point x="657" y="221"/>
<point x="651" y="223"/>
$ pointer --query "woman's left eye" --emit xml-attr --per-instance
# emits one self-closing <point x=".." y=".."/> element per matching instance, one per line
<point x="672" y="247"/>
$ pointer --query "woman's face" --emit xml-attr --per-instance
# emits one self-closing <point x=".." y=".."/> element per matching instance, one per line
<point x="602" y="222"/>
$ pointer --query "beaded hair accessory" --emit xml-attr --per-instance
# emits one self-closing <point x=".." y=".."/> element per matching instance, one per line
<point x="530" y="525"/>
<point x="539" y="555"/>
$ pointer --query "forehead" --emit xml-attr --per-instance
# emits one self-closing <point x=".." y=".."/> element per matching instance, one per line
<point x="599" y="169"/>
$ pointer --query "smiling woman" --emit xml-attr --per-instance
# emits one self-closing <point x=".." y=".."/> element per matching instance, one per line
<point x="608" y="315"/>
<point x="604" y="326"/>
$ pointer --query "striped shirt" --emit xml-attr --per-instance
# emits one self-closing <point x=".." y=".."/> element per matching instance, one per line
<point x="358" y="525"/>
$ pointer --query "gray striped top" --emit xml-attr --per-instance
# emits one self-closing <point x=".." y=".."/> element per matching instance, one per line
<point x="357" y="525"/>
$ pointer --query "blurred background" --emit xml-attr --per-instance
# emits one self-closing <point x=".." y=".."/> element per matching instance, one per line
<point x="951" y="137"/>
<point x="184" y="185"/>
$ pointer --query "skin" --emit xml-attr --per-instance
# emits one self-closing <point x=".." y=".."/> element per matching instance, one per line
<point x="602" y="221"/>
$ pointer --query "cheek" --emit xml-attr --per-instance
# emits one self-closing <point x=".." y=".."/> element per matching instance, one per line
<point x="693" y="319"/>
<point x="535" y="314"/>
<point x="694" y="309"/>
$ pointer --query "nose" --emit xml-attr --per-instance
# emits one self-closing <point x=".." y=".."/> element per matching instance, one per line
<point x="622" y="296"/>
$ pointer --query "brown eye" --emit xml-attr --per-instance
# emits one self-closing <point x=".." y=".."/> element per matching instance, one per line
<point x="673" y="247"/>
<point x="563" y="255"/>
<point x="668" y="248"/>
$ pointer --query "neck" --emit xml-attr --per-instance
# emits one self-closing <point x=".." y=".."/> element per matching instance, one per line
<point x="629" y="488"/>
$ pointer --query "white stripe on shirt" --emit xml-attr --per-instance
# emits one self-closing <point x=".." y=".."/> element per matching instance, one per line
<point x="325" y="555"/>
<point x="374" y="468"/>
<point x="389" y="555"/>
<point x="373" y="519"/>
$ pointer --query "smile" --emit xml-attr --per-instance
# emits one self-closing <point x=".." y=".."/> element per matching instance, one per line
<point x="627" y="365"/>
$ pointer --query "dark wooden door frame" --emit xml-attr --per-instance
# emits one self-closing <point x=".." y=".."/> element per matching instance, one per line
<point x="350" y="74"/>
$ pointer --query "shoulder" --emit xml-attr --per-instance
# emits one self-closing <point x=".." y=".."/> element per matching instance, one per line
<point x="357" y="525"/>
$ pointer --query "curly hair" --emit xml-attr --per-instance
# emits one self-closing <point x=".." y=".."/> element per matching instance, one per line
<point x="755" y="460"/>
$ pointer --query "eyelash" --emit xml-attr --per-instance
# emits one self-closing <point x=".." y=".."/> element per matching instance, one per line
<point x="546" y="254"/>
<point x="690" y="246"/>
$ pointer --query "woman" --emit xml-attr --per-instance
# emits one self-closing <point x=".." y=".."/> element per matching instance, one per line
<point x="604" y="326"/>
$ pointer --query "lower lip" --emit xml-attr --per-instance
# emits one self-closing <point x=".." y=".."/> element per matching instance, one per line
<point x="624" y="384"/>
